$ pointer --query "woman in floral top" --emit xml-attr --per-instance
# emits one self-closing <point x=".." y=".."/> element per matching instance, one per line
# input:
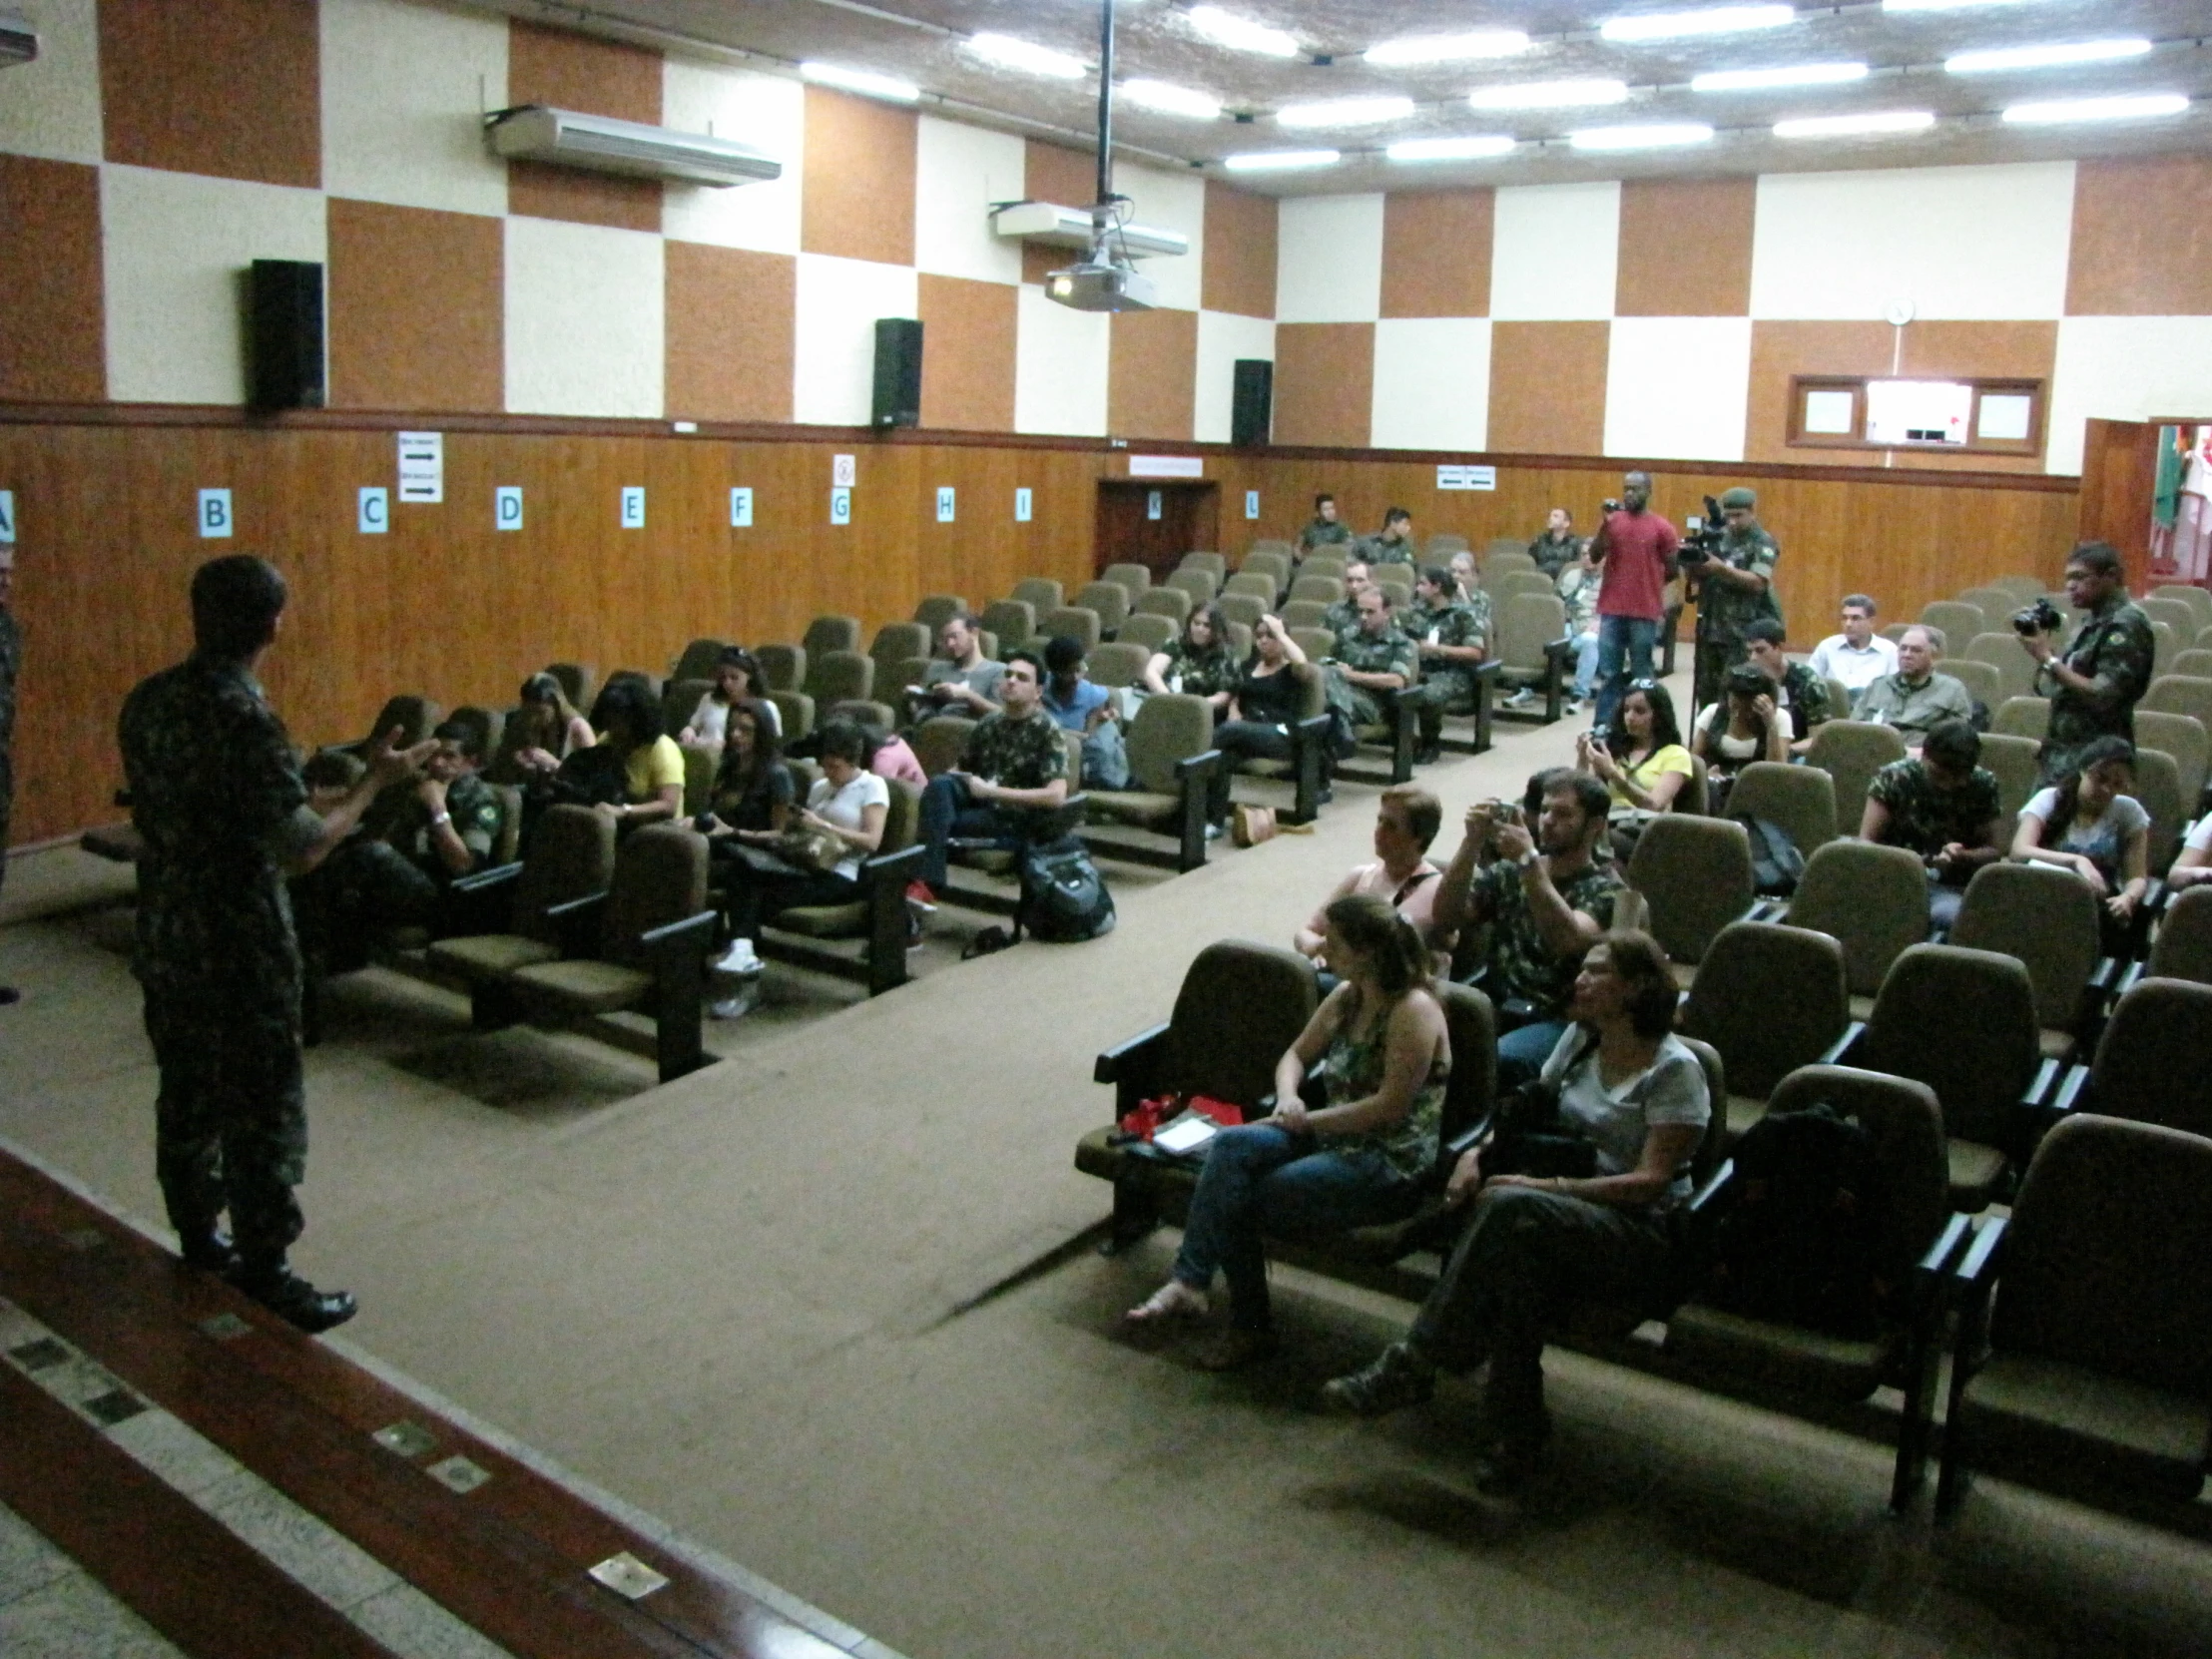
<point x="1199" y="664"/>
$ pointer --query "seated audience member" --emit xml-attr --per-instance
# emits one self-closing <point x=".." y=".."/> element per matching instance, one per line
<point x="1080" y="705"/>
<point x="1545" y="897"/>
<point x="2194" y="861"/>
<point x="1406" y="821"/>
<point x="960" y="680"/>
<point x="1916" y="698"/>
<point x="1374" y="660"/>
<point x="542" y="733"/>
<point x="2087" y="822"/>
<point x="892" y="759"/>
<point x="1797" y="691"/>
<point x="1857" y="657"/>
<point x="737" y="680"/>
<point x="1344" y="616"/>
<point x="447" y="825"/>
<point x="1641" y="761"/>
<point x="1536" y="1243"/>
<point x="1463" y="574"/>
<point x="1200" y="664"/>
<point x="1013" y="765"/>
<point x="1378" y="1047"/>
<point x="1263" y="705"/>
<point x="628" y="716"/>
<point x="1556" y="545"/>
<point x="848" y="803"/>
<point x="753" y="788"/>
<point x="1394" y="543"/>
<point x="1745" y="726"/>
<point x="1578" y="585"/>
<point x="1942" y="805"/>
<point x="1327" y="529"/>
<point x="1453" y="636"/>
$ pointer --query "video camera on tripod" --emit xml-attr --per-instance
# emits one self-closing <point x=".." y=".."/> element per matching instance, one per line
<point x="1703" y="544"/>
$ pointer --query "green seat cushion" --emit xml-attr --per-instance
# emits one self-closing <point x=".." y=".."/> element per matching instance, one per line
<point x="1136" y="806"/>
<point x="405" y="938"/>
<point x="824" y="921"/>
<point x="489" y="956"/>
<point x="1974" y="1171"/>
<point x="2148" y="1437"/>
<point x="992" y="861"/>
<point x="1834" y="1368"/>
<point x="1266" y="768"/>
<point x="2055" y="1045"/>
<point x="1743" y="1111"/>
<point x="594" y="987"/>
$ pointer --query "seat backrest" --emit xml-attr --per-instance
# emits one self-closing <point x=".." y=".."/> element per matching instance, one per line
<point x="1119" y="662"/>
<point x="1260" y="584"/>
<point x="1214" y="564"/>
<point x="1962" y="1022"/>
<point x="1506" y="584"/>
<point x="1850" y="752"/>
<point x="2180" y="694"/>
<point x="2005" y="653"/>
<point x="1013" y="619"/>
<point x="2192" y="664"/>
<point x="1317" y="643"/>
<point x="572" y="856"/>
<point x="1471" y="1025"/>
<point x="660" y="877"/>
<point x="783" y="667"/>
<point x="681" y="703"/>
<point x="1130" y="577"/>
<point x="1174" y="603"/>
<point x="1148" y="629"/>
<point x="2166" y="644"/>
<point x="894" y="642"/>
<point x="2024" y="589"/>
<point x="1906" y="1124"/>
<point x="936" y="611"/>
<point x="1168" y="728"/>
<point x="2048" y="919"/>
<point x="1839" y="699"/>
<point x="831" y="633"/>
<point x="2199" y="600"/>
<point x="1506" y="557"/>
<point x="1247" y="608"/>
<point x="1696" y="875"/>
<point x="864" y="710"/>
<point x="700" y="660"/>
<point x="1196" y="581"/>
<point x="1707" y="1158"/>
<point x="414" y="716"/>
<point x="839" y="676"/>
<point x="1328" y="562"/>
<point x="1108" y="601"/>
<point x="1959" y="621"/>
<point x="2104" y="1262"/>
<point x="1327" y="590"/>
<point x="2184" y="738"/>
<point x="2183" y="947"/>
<point x="1305" y="613"/>
<point x="2176" y="614"/>
<point x="1241" y="1008"/>
<point x="795" y="711"/>
<point x="1998" y="604"/>
<point x="1526" y="623"/>
<point x="938" y="741"/>
<point x="1695" y="798"/>
<point x="489" y="725"/>
<point x="1984" y="683"/>
<point x="1506" y="544"/>
<point x="1273" y="562"/>
<point x="2022" y="717"/>
<point x="1395" y="580"/>
<point x="578" y="682"/>
<point x="1072" y="621"/>
<point x="1039" y="593"/>
<point x="2151" y="1060"/>
<point x="700" y="766"/>
<point x="1870" y="899"/>
<point x="2158" y="789"/>
<point x="1802" y="800"/>
<point x="2015" y="763"/>
<point x="1770" y="998"/>
<point x="901" y="817"/>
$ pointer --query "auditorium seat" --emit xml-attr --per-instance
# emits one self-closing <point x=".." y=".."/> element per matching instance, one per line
<point x="1321" y="590"/>
<point x="877" y="918"/>
<point x="2158" y="790"/>
<point x="1503" y="560"/>
<point x="1070" y="622"/>
<point x="1039" y="593"/>
<point x="1395" y="580"/>
<point x="1985" y="683"/>
<point x="1212" y="564"/>
<point x="2199" y="601"/>
<point x="1998" y="604"/>
<point x="2023" y="589"/>
<point x="2047" y="919"/>
<point x="839" y="677"/>
<point x="2167" y="642"/>
<point x="795" y="710"/>
<point x="572" y="854"/>
<point x="1850" y="752"/>
<point x="1258" y="583"/>
<point x="937" y="610"/>
<point x="1130" y="577"/>
<point x="579" y="682"/>
<point x="2022" y="717"/>
<point x="2153" y="1063"/>
<point x="1330" y="562"/>
<point x="1244" y="608"/>
<point x="1109" y="602"/>
<point x="1197" y="583"/>
<point x="1958" y="621"/>
<point x="864" y="710"/>
<point x="1532" y="647"/>
<point x="1306" y="770"/>
<point x="1870" y="899"/>
<point x="2177" y="614"/>
<point x="680" y="702"/>
<point x="1502" y="586"/>
<point x="1149" y="629"/>
<point x="1306" y="613"/>
<point x="699" y="767"/>
<point x="783" y="667"/>
<point x="1801" y="799"/>
<point x="831" y="633"/>
<point x="1695" y="872"/>
<point x="1172" y="761"/>
<point x="1174" y="603"/>
<point x="2181" y="948"/>
<point x="1274" y="562"/>
<point x="1768" y="998"/>
<point x="1119" y="662"/>
<point x="1012" y="621"/>
<point x="2015" y="763"/>
<point x="2183" y="737"/>
<point x="895" y="642"/>
<point x="2192" y="664"/>
<point x="699" y="661"/>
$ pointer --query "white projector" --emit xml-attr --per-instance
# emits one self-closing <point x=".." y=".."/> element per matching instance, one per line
<point x="1095" y="285"/>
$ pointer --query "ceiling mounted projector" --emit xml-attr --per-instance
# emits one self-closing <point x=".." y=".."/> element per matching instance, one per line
<point x="1073" y="228"/>
<point x="535" y="133"/>
<point x="18" y="40"/>
<point x="1103" y="279"/>
<point x="1102" y="286"/>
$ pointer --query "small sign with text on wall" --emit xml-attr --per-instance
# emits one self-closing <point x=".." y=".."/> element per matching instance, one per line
<point x="1167" y="466"/>
<point x="7" y="518"/>
<point x="423" y="467"/>
<point x="1466" y="477"/>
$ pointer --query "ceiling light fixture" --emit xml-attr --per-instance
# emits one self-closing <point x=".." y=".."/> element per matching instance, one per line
<point x="2046" y="57"/>
<point x="1026" y="56"/>
<point x="1166" y="99"/>
<point x="1548" y="95"/>
<point x="1228" y="29"/>
<point x="1939" y="5"/>
<point x="1851" y="125"/>
<point x="2130" y="108"/>
<point x="1788" y="75"/>
<point x="1415" y="50"/>
<point x="1344" y="112"/>
<point x="1449" y="149"/>
<point x="861" y="81"/>
<point x="1280" y="161"/>
<point x="1713" y="20"/>
<point x="1657" y="136"/>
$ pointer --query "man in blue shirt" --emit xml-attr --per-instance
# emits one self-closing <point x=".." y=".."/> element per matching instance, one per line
<point x="1076" y="704"/>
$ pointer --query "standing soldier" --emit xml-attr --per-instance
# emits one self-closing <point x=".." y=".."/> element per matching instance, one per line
<point x="1734" y="589"/>
<point x="216" y="797"/>
<point x="1453" y="636"/>
<point x="2095" y="685"/>
<point x="11" y="663"/>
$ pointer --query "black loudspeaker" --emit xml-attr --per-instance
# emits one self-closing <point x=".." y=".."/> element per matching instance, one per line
<point x="1252" y="409"/>
<point x="284" y="335"/>
<point x="898" y="371"/>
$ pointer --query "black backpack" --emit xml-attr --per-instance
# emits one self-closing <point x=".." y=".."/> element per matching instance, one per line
<point x="1796" y="1244"/>
<point x="1063" y="897"/>
<point x="1777" y="866"/>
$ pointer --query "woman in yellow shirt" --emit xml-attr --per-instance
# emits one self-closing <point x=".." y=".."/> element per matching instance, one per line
<point x="628" y="716"/>
<point x="1641" y="759"/>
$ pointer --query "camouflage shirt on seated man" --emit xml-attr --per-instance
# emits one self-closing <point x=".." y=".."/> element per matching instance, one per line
<point x="479" y="817"/>
<point x="1323" y="532"/>
<point x="1925" y="819"/>
<point x="1389" y="652"/>
<point x="1805" y="695"/>
<point x="1519" y="964"/>
<point x="1383" y="549"/>
<point x="1025" y="754"/>
<point x="1459" y="622"/>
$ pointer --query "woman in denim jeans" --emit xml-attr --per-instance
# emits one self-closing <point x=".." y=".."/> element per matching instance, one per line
<point x="1381" y="1052"/>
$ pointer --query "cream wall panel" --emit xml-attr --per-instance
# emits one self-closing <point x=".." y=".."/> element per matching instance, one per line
<point x="960" y="170"/>
<point x="1556" y="252"/>
<point x="1060" y="367"/>
<point x="404" y="91"/>
<point x="51" y="106"/>
<point x="1223" y="338"/>
<point x="173" y="246"/>
<point x="1984" y="242"/>
<point x="2126" y="368"/>
<point x="1678" y="386"/>
<point x="1432" y="384"/>
<point x="834" y="334"/>
<point x="584" y="325"/>
<point x="767" y="110"/>
<point x="1169" y="201"/>
<point x="1329" y="258"/>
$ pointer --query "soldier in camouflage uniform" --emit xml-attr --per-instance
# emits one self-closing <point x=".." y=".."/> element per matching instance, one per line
<point x="1326" y="530"/>
<point x="1374" y="662"/>
<point x="216" y="797"/>
<point x="1344" y="616"/>
<point x="1453" y="636"/>
<point x="11" y="664"/>
<point x="1013" y="763"/>
<point x="2094" y="687"/>
<point x="1393" y="545"/>
<point x="1734" y="589"/>
<point x="1943" y="805"/>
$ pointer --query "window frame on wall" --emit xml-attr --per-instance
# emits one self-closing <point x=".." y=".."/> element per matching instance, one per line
<point x="1983" y="387"/>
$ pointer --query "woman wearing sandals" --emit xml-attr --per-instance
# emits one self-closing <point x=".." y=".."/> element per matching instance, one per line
<point x="1379" y="1048"/>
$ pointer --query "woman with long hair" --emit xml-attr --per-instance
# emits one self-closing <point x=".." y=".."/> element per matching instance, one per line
<point x="1379" y="1051"/>
<point x="542" y="733"/>
<point x="2089" y="824"/>
<point x="628" y="717"/>
<point x="1743" y="727"/>
<point x="1632" y="1090"/>
<point x="1640" y="758"/>
<point x="752" y="788"/>
<point x="1263" y="704"/>
<point x="1199" y="664"/>
<point x="737" y="680"/>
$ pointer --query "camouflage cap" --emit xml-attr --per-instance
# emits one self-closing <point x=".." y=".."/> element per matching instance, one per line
<point x="1739" y="497"/>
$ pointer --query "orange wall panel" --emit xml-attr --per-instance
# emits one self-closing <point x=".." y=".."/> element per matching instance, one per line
<point x="730" y="346"/>
<point x="388" y="349"/>
<point x="52" y="336"/>
<point x="857" y="197"/>
<point x="1436" y="252"/>
<point x="228" y="88"/>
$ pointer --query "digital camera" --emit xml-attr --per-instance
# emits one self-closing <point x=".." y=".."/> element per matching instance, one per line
<point x="2039" y="617"/>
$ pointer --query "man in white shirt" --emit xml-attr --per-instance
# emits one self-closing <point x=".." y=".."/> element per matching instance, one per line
<point x="1857" y="657"/>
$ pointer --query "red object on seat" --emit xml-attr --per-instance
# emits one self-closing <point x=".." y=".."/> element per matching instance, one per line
<point x="1154" y="1114"/>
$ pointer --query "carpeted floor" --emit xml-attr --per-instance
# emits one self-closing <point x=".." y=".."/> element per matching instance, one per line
<point x="812" y="1306"/>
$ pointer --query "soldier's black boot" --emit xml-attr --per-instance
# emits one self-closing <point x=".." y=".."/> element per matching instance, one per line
<point x="291" y="1299"/>
<point x="208" y="1248"/>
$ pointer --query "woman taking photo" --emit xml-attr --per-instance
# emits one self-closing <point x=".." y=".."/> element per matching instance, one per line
<point x="1379" y="1051"/>
<point x="2088" y="822"/>
<point x="1535" y="1244"/>
<point x="542" y="733"/>
<point x="628" y="716"/>
<point x="737" y="680"/>
<point x="1199" y="664"/>
<point x="1641" y="761"/>
<point x="1745" y="726"/>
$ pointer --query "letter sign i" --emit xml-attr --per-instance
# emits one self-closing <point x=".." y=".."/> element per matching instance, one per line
<point x="215" y="512"/>
<point x="633" y="506"/>
<point x="7" y="518"/>
<point x="1021" y="506"/>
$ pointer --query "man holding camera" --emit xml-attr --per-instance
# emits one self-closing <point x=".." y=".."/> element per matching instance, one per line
<point x="2094" y="686"/>
<point x="1735" y="588"/>
<point x="1635" y="550"/>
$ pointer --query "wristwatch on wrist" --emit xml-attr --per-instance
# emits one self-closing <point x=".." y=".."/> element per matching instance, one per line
<point x="1527" y="861"/>
<point x="442" y="818"/>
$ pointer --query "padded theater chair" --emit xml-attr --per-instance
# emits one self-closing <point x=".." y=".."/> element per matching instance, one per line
<point x="1172" y="762"/>
<point x="1768" y="998"/>
<point x="877" y="918"/>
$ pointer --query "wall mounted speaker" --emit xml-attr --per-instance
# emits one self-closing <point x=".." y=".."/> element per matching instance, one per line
<point x="1252" y="406"/>
<point x="898" y="371"/>
<point x="284" y="355"/>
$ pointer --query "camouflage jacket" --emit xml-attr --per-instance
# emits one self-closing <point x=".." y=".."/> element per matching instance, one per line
<point x="1324" y="533"/>
<point x="1805" y="695"/>
<point x="1021" y="754"/>
<point x="1724" y="610"/>
<point x="1519" y="963"/>
<point x="1456" y="621"/>
<point x="1925" y="819"/>
<point x="2115" y="648"/>
<point x="1201" y="672"/>
<point x="1342" y="617"/>
<point x="479" y="817"/>
<point x="1389" y="652"/>
<point x="1380" y="549"/>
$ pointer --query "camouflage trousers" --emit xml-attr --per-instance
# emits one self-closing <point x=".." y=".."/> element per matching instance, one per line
<point x="1715" y="657"/>
<point x="1442" y="691"/>
<point x="231" y="1123"/>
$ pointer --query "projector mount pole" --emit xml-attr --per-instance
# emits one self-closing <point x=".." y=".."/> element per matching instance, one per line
<point x="1103" y="208"/>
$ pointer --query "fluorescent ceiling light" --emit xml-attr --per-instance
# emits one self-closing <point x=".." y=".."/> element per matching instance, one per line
<point x="1449" y="149"/>
<point x="1548" y="95"/>
<point x="861" y="81"/>
<point x="1344" y="112"/>
<point x="2133" y="108"/>
<point x="1172" y="100"/>
<point x="1228" y="29"/>
<point x="1939" y="5"/>
<point x="1279" y="161"/>
<point x="2046" y="57"/>
<point x="1414" y="50"/>
<point x="1714" y="20"/>
<point x="1656" y="135"/>
<point x="1850" y="125"/>
<point x="1027" y="56"/>
<point x="1788" y="75"/>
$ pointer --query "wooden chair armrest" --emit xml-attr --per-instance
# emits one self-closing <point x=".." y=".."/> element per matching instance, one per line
<point x="576" y="922"/>
<point x="1844" y="1044"/>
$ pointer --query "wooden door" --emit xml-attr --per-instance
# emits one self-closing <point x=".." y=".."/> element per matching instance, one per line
<point x="2119" y="474"/>
<point x="1154" y="522"/>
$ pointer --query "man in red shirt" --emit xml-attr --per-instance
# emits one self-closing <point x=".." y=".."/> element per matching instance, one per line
<point x="1634" y="549"/>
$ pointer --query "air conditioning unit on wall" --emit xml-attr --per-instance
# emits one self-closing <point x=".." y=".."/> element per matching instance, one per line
<point x="18" y="40"/>
<point x="565" y="138"/>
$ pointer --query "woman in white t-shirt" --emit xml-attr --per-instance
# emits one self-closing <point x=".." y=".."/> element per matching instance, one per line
<point x="2195" y="862"/>
<point x="851" y="804"/>
<point x="2087" y="822"/>
<point x="1745" y="726"/>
